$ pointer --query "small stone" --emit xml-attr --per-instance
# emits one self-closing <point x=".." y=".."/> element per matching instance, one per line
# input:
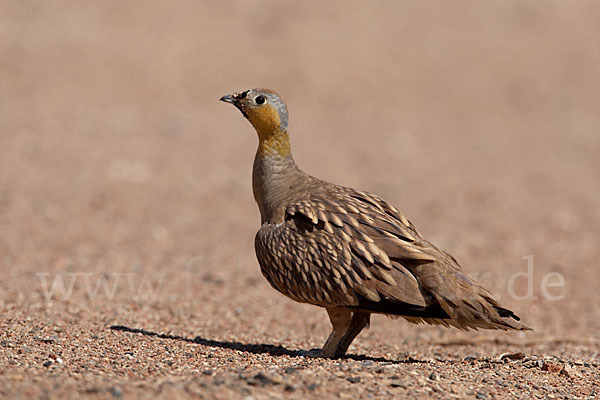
<point x="512" y="356"/>
<point x="437" y="388"/>
<point x="208" y="372"/>
<point x="219" y="381"/>
<point x="264" y="379"/>
<point x="481" y="395"/>
<point x="311" y="387"/>
<point x="368" y="362"/>
<point x="521" y="386"/>
<point x="290" y="388"/>
<point x="353" y="379"/>
<point x="434" y="377"/>
<point x="47" y="363"/>
<point x="116" y="392"/>
<point x="570" y="372"/>
<point x="550" y="367"/>
<point x="45" y="340"/>
<point x="397" y="383"/>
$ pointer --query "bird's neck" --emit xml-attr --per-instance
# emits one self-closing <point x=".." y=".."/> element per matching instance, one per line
<point x="273" y="176"/>
<point x="274" y="143"/>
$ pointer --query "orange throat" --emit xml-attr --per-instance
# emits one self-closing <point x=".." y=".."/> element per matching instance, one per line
<point x="273" y="141"/>
<point x="274" y="144"/>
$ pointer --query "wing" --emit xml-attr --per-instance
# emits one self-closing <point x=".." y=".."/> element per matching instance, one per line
<point x="329" y="251"/>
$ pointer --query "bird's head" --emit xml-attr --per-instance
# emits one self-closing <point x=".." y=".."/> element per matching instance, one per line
<point x="264" y="108"/>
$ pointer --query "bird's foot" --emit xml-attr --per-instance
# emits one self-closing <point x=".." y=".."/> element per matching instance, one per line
<point x="315" y="353"/>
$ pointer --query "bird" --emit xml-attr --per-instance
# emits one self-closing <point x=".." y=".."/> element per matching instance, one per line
<point x="347" y="250"/>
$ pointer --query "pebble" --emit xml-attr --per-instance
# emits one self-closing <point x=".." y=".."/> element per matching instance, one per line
<point x="398" y="383"/>
<point x="264" y="379"/>
<point x="512" y="356"/>
<point x="50" y="339"/>
<point x="570" y="372"/>
<point x="353" y="379"/>
<point x="550" y="367"/>
<point x="531" y="364"/>
<point x="290" y="388"/>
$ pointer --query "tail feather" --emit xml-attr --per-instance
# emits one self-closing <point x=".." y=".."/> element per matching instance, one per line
<point x="505" y="312"/>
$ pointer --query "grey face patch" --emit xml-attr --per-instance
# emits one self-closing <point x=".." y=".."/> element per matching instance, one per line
<point x="279" y="105"/>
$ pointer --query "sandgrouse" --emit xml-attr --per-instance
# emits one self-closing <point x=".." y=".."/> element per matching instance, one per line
<point x="347" y="250"/>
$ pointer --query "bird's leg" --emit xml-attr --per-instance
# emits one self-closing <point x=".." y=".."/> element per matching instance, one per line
<point x="346" y="326"/>
<point x="340" y="319"/>
<point x="359" y="321"/>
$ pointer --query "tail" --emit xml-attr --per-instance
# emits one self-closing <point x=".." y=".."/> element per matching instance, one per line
<point x="466" y="302"/>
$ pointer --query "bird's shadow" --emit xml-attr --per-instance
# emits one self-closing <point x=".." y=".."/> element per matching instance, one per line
<point x="261" y="348"/>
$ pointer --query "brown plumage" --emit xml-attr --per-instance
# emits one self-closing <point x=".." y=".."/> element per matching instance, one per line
<point x="347" y="250"/>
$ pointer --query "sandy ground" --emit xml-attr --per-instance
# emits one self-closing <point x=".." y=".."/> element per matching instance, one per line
<point x="124" y="181"/>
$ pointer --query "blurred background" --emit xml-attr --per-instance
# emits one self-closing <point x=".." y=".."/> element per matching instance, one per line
<point x="479" y="120"/>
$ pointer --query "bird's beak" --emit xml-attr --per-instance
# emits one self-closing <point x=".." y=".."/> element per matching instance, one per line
<point x="228" y="99"/>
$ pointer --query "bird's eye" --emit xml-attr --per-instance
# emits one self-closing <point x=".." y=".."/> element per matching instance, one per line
<point x="260" y="100"/>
